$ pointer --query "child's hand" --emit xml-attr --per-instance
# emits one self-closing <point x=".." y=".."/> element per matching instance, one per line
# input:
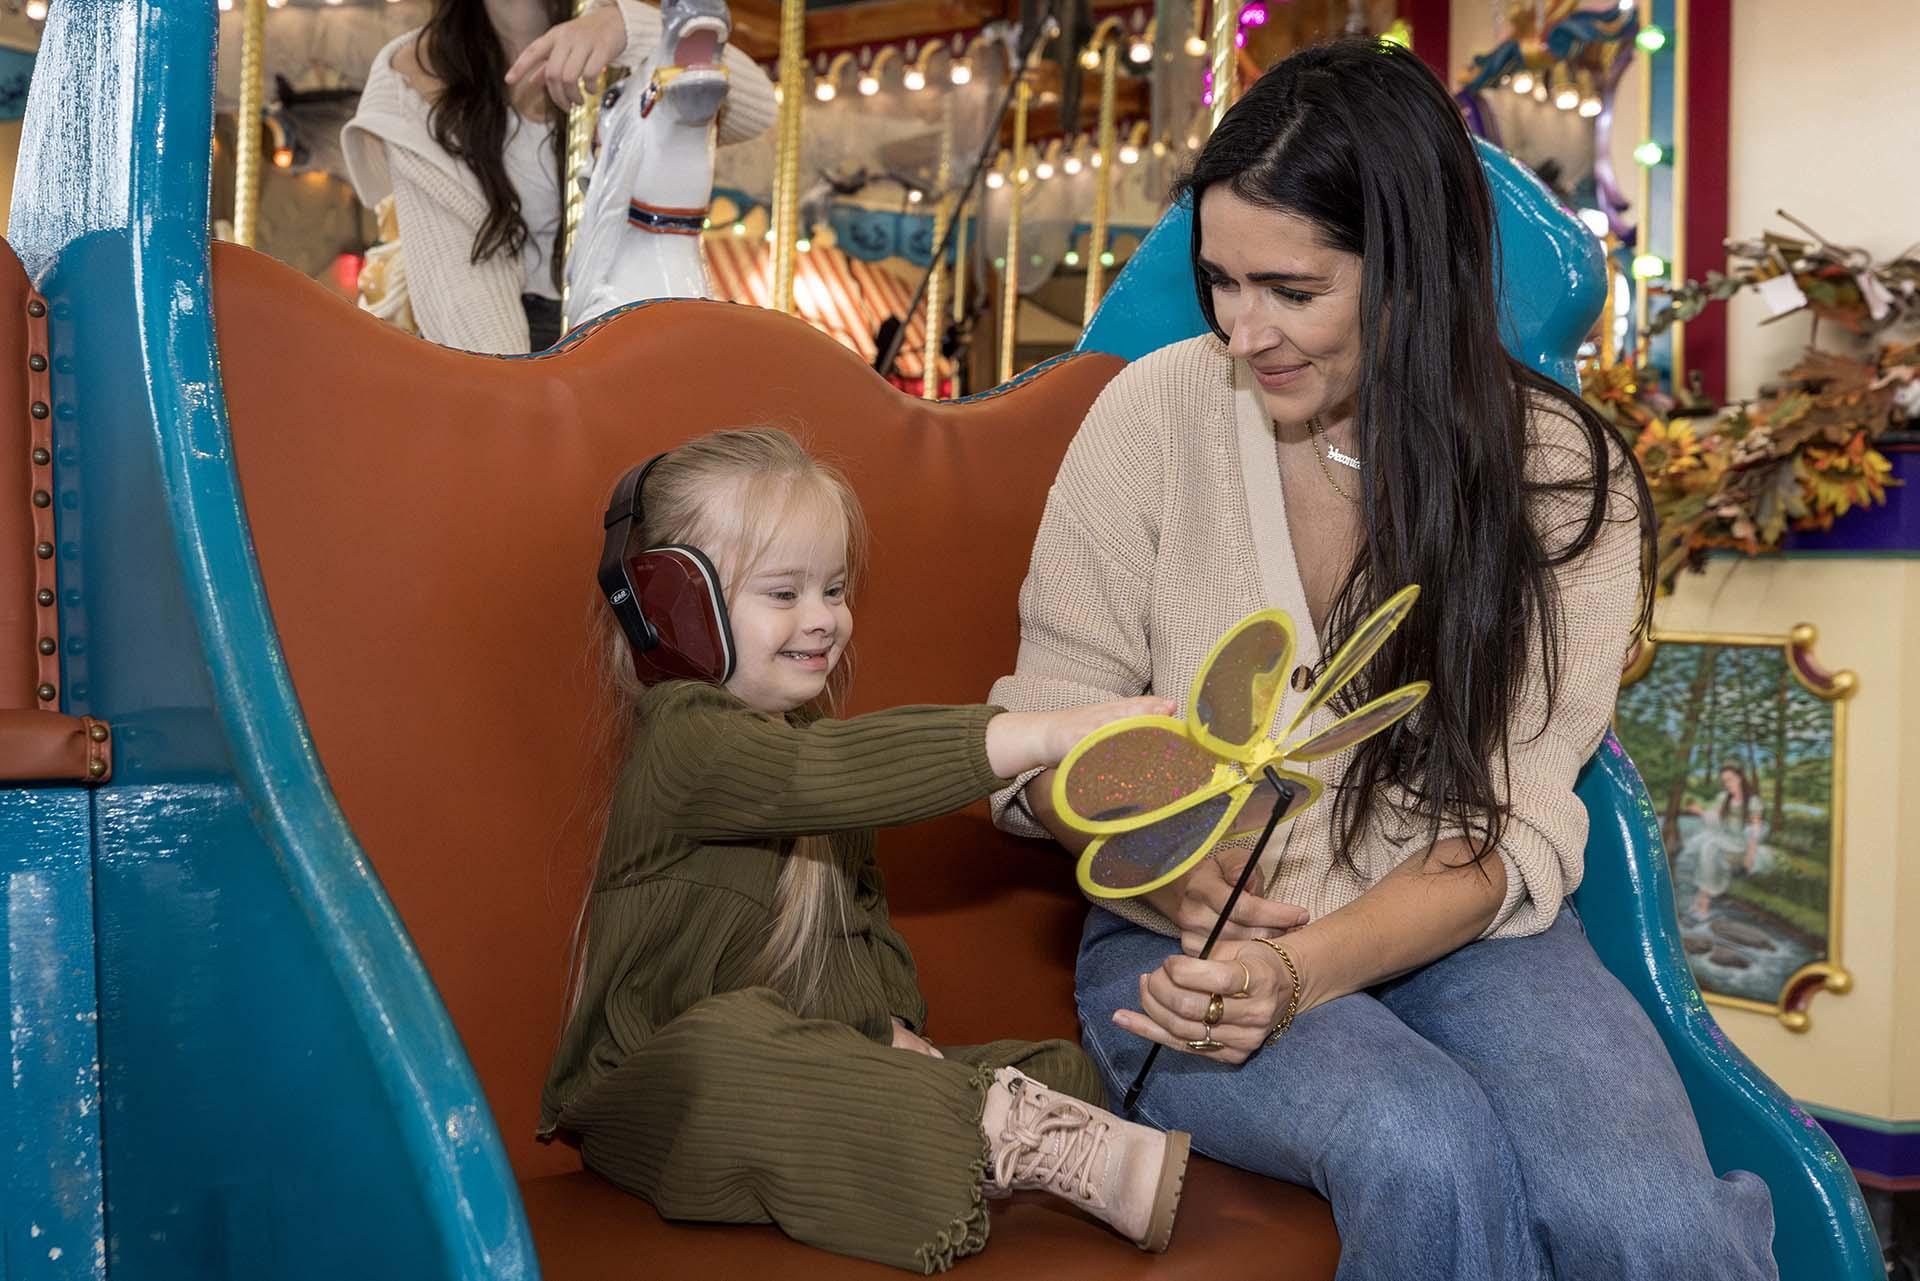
<point x="570" y="52"/>
<point x="1020" y="741"/>
<point x="905" y="1038"/>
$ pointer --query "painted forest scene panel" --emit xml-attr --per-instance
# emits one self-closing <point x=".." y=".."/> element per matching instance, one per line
<point x="1738" y="757"/>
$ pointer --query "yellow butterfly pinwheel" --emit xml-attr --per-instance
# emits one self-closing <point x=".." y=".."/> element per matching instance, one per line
<point x="1159" y="793"/>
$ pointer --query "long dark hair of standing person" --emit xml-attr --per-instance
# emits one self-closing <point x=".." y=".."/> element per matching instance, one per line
<point x="1357" y="137"/>
<point x="459" y="47"/>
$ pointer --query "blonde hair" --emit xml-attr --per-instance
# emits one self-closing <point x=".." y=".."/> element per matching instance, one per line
<point x="731" y="494"/>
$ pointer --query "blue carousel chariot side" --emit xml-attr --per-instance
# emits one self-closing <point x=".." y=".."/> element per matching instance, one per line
<point x="293" y="808"/>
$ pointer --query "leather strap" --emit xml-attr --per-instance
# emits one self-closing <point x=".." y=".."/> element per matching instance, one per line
<point x="47" y="747"/>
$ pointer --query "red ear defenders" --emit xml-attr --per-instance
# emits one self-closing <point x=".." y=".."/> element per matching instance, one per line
<point x="667" y="599"/>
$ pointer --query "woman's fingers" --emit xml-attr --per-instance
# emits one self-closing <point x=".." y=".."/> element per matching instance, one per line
<point x="531" y="59"/>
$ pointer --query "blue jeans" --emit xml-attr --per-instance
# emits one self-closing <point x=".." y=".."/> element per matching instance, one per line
<point x="1505" y="1114"/>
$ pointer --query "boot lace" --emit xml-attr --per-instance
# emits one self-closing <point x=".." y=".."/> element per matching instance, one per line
<point x="1058" y="1145"/>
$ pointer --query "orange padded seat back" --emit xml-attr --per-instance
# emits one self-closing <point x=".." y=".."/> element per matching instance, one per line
<point x="428" y="523"/>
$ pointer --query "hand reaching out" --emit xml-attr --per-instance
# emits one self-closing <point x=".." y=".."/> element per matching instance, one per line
<point x="570" y="52"/>
<point x="1020" y="741"/>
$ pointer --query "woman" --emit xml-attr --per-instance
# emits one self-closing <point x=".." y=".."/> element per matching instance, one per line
<point x="1726" y="840"/>
<point x="1405" y="1015"/>
<point x="464" y="122"/>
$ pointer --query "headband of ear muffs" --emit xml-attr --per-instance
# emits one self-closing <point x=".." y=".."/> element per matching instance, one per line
<point x="668" y="599"/>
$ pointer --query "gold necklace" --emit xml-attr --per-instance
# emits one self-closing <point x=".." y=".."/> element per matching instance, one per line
<point x="1320" y="436"/>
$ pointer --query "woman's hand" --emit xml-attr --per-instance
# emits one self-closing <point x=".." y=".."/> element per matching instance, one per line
<point x="571" y="52"/>
<point x="1174" y="999"/>
<point x="905" y="1038"/>
<point x="1194" y="901"/>
<point x="1020" y="741"/>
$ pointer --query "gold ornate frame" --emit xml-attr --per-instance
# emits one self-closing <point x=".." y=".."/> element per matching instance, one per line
<point x="1834" y="688"/>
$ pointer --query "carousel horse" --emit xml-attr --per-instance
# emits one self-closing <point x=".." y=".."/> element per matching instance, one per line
<point x="652" y="177"/>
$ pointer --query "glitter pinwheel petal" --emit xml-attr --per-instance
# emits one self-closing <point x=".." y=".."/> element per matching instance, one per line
<point x="1239" y="686"/>
<point x="1361" y="646"/>
<point x="1131" y="772"/>
<point x="1130" y="863"/>
<point x="1361" y="723"/>
<point x="1253" y="815"/>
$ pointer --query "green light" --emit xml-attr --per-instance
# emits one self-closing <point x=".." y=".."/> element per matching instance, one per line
<point x="1649" y="153"/>
<point x="1000" y="264"/>
<point x="1106" y="259"/>
<point x="1037" y="260"/>
<point x="1649" y="267"/>
<point x="1651" y="39"/>
<point x="1072" y="258"/>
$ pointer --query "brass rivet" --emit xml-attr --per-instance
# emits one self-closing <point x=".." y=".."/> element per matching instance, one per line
<point x="46" y="693"/>
<point x="48" y="645"/>
<point x="39" y="409"/>
<point x="98" y="733"/>
<point x="96" y="767"/>
<point x="41" y="457"/>
<point x="36" y="308"/>
<point x="41" y="498"/>
<point x="37" y="363"/>
<point x="44" y="551"/>
<point x="1302" y="678"/>
<point x="46" y="596"/>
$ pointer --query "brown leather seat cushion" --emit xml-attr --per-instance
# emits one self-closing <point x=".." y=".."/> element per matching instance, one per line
<point x="427" y="523"/>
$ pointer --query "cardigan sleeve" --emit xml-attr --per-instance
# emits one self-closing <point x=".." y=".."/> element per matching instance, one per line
<point x="749" y="109"/>
<point x="1086" y="601"/>
<point x="1598" y="596"/>
<point x="474" y="306"/>
<point x="714" y="769"/>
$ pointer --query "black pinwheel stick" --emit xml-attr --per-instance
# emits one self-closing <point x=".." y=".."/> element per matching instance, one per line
<point x="1281" y="805"/>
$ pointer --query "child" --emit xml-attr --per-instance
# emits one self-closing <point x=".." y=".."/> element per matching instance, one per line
<point x="744" y="1045"/>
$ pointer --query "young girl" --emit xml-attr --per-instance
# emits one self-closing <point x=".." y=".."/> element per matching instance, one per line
<point x="745" y="1043"/>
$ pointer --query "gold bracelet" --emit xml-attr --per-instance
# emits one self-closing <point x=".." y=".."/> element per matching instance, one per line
<point x="1293" y="1002"/>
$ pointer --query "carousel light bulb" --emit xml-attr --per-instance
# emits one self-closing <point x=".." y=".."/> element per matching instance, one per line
<point x="1651" y="39"/>
<point x="824" y="91"/>
<point x="915" y="80"/>
<point x="333" y="2"/>
<point x="276" y="4"/>
<point x="1095" y="160"/>
<point x="1071" y="165"/>
<point x="913" y="196"/>
<point x="1129" y="155"/>
<point x="869" y="85"/>
<point x="769" y="236"/>
<point x="1591" y="106"/>
<point x="996" y="180"/>
<point x="1071" y="258"/>
<point x="1523" y="82"/>
<point x="804" y="245"/>
<point x="1023" y="176"/>
<point x="1540" y="91"/>
<point x="1043" y="170"/>
<point x="36" y="10"/>
<point x="1649" y="153"/>
<point x="1090" y="58"/>
<point x="1567" y="98"/>
<point x="961" y="73"/>
<point x="1196" y="47"/>
<point x="226" y="6"/>
<point x="283" y="157"/>
<point x="1000" y="263"/>
<point x="1649" y="267"/>
<point x="1106" y="259"/>
<point x="1140" y="51"/>
<point x="739" y="228"/>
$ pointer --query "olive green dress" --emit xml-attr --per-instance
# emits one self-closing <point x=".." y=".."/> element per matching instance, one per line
<point x="687" y="1083"/>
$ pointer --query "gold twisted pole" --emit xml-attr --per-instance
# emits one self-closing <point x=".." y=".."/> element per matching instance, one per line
<point x="1010" y="279"/>
<point x="960" y="272"/>
<point x="936" y="315"/>
<point x="1224" y="13"/>
<point x="246" y="133"/>
<point x="581" y="123"/>
<point x="1102" y="176"/>
<point x="786" y="157"/>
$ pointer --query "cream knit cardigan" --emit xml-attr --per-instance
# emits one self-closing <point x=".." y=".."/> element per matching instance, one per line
<point x="1166" y="525"/>
<point x="458" y="302"/>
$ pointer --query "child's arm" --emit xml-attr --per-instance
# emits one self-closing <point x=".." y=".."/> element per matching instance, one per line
<point x="715" y="769"/>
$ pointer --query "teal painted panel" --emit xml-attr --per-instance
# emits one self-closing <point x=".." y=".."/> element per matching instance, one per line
<point x="50" y="1126"/>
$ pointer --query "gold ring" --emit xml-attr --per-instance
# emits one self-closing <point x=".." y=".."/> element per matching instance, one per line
<point x="1206" y="1045"/>
<point x="1246" y="981"/>
<point x="1216" y="1007"/>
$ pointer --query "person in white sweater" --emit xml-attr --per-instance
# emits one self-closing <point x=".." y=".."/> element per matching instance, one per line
<point x="1403" y="1010"/>
<point x="463" y="122"/>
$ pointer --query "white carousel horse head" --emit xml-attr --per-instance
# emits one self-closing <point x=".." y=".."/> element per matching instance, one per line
<point x="651" y="182"/>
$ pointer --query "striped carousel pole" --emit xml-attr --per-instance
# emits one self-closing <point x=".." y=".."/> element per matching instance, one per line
<point x="936" y="326"/>
<point x="786" y="159"/>
<point x="581" y="122"/>
<point x="1224" y="51"/>
<point x="1010" y="296"/>
<point x="246" y="138"/>
<point x="1103" y="158"/>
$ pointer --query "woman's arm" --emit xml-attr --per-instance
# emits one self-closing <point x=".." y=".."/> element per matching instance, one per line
<point x="474" y="306"/>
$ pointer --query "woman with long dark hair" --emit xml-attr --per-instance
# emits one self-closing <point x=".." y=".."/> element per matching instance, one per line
<point x="1403" y="1012"/>
<point x="1725" y="840"/>
<point x="463" y="122"/>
